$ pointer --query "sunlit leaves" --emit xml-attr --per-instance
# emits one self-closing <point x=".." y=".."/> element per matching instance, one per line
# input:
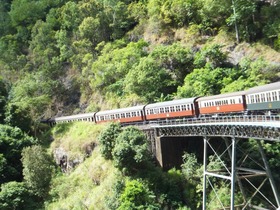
<point x="107" y="139"/>
<point x="130" y="151"/>
<point x="37" y="169"/>
<point x="137" y="195"/>
<point x="148" y="80"/>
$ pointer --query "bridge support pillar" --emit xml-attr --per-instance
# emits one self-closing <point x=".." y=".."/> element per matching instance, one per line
<point x="269" y="175"/>
<point x="237" y="170"/>
<point x="208" y="173"/>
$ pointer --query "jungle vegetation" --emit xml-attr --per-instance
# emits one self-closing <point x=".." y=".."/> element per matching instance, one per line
<point x="61" y="57"/>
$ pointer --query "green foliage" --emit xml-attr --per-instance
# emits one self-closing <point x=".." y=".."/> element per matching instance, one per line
<point x="174" y="186"/>
<point x="149" y="80"/>
<point x="34" y="92"/>
<point x="210" y="56"/>
<point x="3" y="99"/>
<point x="107" y="139"/>
<point x="108" y="71"/>
<point x="18" y="117"/>
<point x="131" y="151"/>
<point x="250" y="75"/>
<point x="5" y="21"/>
<point x="244" y="17"/>
<point x="180" y="12"/>
<point x="38" y="169"/>
<point x="15" y="196"/>
<point x="176" y="59"/>
<point x="191" y="170"/>
<point x="137" y="195"/>
<point x="12" y="141"/>
<point x="206" y="81"/>
<point x="223" y="193"/>
<point x="213" y="15"/>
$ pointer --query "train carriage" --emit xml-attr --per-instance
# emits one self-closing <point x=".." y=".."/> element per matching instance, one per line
<point x="171" y="109"/>
<point x="264" y="98"/>
<point x="78" y="117"/>
<point x="124" y="115"/>
<point x="222" y="104"/>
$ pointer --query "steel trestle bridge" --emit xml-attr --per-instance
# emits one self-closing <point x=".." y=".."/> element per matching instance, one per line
<point x="233" y="159"/>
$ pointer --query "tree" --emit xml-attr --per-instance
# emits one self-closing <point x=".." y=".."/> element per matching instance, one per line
<point x="205" y="81"/>
<point x="15" y="196"/>
<point x="149" y="80"/>
<point x="176" y="59"/>
<point x="18" y="117"/>
<point x="244" y="16"/>
<point x="131" y="150"/>
<point x="180" y="13"/>
<point x="12" y="141"/>
<point x="210" y="56"/>
<point x="3" y="99"/>
<point x="107" y="139"/>
<point x="107" y="73"/>
<point x="137" y="195"/>
<point x="5" y="25"/>
<point x="213" y="15"/>
<point x="192" y="172"/>
<point x="38" y="169"/>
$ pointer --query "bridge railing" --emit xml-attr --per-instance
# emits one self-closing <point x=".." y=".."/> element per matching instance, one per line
<point x="218" y="119"/>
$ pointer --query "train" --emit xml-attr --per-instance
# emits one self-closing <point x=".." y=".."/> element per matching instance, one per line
<point x="260" y="100"/>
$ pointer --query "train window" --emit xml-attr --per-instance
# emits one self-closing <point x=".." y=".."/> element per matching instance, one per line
<point x="274" y="96"/>
<point x="112" y="117"/>
<point x="156" y="111"/>
<point x="117" y="116"/>
<point x="252" y="97"/>
<point x="262" y="97"/>
<point x="188" y="107"/>
<point x="278" y="95"/>
<point x="268" y="96"/>
<point x="258" y="98"/>
<point x="167" y="109"/>
<point x="151" y="111"/>
<point x="122" y="115"/>
<point x="172" y="109"/>
<point x="133" y="114"/>
<point x="161" y="110"/>
<point x="101" y="118"/>
<point x="178" y="108"/>
<point x="184" y="108"/>
<point x="127" y="114"/>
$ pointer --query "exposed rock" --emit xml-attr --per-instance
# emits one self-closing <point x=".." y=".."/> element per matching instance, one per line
<point x="62" y="159"/>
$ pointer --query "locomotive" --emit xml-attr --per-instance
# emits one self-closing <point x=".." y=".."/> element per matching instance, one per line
<point x="263" y="99"/>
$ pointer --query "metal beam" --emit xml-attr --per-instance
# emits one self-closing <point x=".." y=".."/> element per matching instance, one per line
<point x="205" y="139"/>
<point x="268" y="172"/>
<point x="233" y="171"/>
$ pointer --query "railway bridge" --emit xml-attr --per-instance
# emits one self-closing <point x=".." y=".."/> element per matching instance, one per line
<point x="223" y="139"/>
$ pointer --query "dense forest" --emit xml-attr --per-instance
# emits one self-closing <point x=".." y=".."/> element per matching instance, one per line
<point x="61" y="57"/>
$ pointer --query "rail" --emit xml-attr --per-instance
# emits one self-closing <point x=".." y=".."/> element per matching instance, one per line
<point x="221" y="119"/>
